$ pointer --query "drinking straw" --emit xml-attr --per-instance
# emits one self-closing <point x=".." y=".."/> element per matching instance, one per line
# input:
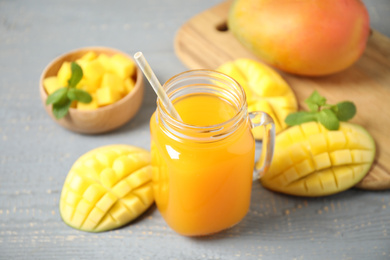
<point x="151" y="77"/>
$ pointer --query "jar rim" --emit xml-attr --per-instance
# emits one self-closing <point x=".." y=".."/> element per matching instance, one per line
<point x="215" y="128"/>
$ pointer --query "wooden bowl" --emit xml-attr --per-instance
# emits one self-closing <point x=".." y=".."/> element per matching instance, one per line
<point x="102" y="119"/>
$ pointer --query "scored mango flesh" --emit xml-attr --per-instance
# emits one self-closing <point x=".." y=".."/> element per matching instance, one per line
<point x="107" y="188"/>
<point x="265" y="91"/>
<point x="310" y="160"/>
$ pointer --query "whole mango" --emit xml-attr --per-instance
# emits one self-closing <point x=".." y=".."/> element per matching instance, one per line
<point x="307" y="37"/>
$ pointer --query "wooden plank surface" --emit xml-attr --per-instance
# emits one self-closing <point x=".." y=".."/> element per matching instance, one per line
<point x="36" y="154"/>
<point x="203" y="42"/>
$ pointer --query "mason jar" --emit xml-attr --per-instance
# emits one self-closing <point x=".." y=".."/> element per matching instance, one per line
<point x="203" y="163"/>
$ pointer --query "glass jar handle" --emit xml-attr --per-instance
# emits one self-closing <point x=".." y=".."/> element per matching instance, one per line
<point x="257" y="119"/>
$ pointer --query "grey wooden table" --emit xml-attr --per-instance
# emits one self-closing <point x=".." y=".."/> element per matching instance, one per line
<point x="36" y="154"/>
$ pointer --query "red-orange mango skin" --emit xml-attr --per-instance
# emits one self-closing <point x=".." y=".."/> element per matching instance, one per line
<point x="305" y="37"/>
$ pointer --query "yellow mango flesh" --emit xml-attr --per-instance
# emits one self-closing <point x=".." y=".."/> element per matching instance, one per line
<point x="106" y="78"/>
<point x="310" y="160"/>
<point x="64" y="74"/>
<point x="88" y="106"/>
<point x="89" y="56"/>
<point x="51" y="84"/>
<point x="265" y="91"/>
<point x="114" y="82"/>
<point x="106" y="96"/>
<point x="129" y="84"/>
<point x="93" y="70"/>
<point x="107" y="188"/>
<point x="122" y="66"/>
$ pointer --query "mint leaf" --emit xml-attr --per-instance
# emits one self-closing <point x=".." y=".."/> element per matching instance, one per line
<point x="315" y="101"/>
<point x="328" y="119"/>
<point x="315" y="97"/>
<point x="345" y="110"/>
<point x="328" y="115"/>
<point x="300" y="117"/>
<point x="77" y="75"/>
<point x="60" y="110"/>
<point x="79" y="95"/>
<point x="57" y="96"/>
<point x="312" y="106"/>
<point x="63" y="97"/>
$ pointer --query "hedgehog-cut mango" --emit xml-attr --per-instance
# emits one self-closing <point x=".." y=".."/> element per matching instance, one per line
<point x="310" y="160"/>
<point x="265" y="91"/>
<point x="107" y="188"/>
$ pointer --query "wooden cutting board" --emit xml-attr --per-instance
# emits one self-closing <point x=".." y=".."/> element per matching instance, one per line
<point x="205" y="42"/>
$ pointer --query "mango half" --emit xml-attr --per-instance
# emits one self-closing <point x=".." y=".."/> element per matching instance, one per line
<point x="107" y="188"/>
<point x="265" y="91"/>
<point x="310" y="160"/>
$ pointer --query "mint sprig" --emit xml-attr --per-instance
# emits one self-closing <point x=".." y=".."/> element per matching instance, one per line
<point x="328" y="115"/>
<point x="62" y="98"/>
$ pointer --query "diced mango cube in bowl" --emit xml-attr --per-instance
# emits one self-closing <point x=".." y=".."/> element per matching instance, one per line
<point x="107" y="78"/>
<point x="51" y="84"/>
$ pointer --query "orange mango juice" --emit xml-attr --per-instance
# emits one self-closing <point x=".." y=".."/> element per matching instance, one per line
<point x="202" y="187"/>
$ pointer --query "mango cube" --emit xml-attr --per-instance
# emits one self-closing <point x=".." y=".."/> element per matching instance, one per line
<point x="88" y="85"/>
<point x="88" y="106"/>
<point x="93" y="70"/>
<point x="122" y="66"/>
<point x="51" y="84"/>
<point x="336" y="140"/>
<point x="114" y="82"/>
<point x="341" y="157"/>
<point x="129" y="84"/>
<point x="318" y="143"/>
<point x="322" y="161"/>
<point x="106" y="96"/>
<point x="82" y="63"/>
<point x="64" y="74"/>
<point x="105" y="61"/>
<point x="89" y="56"/>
